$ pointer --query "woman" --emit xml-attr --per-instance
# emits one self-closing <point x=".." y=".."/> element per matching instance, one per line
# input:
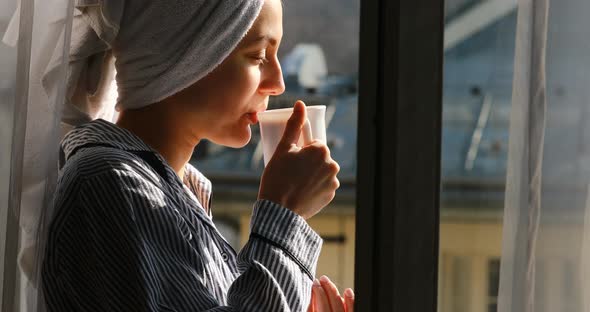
<point x="132" y="229"/>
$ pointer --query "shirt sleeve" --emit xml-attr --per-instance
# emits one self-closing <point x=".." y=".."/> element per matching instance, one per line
<point x="278" y="261"/>
<point x="99" y="260"/>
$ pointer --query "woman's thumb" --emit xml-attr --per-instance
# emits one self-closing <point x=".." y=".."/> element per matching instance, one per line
<point x="294" y="125"/>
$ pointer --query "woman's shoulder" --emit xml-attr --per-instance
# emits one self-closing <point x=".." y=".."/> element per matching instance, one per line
<point x="104" y="162"/>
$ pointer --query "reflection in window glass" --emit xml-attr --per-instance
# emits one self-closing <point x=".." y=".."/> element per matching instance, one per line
<point x="320" y="68"/>
<point x="477" y="92"/>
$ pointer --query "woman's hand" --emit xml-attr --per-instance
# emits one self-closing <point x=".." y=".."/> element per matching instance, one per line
<point x="326" y="298"/>
<point x="300" y="179"/>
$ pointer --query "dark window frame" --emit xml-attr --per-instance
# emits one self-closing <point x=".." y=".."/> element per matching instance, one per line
<point x="399" y="149"/>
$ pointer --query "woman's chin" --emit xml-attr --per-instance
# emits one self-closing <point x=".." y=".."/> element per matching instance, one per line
<point x="237" y="139"/>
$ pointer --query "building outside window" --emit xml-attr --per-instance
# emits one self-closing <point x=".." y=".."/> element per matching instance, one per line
<point x="477" y="95"/>
<point x="493" y="284"/>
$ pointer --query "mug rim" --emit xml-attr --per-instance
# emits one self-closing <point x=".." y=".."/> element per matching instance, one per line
<point x="289" y="109"/>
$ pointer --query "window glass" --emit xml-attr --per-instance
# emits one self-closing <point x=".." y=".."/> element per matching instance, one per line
<point x="477" y="92"/>
<point x="320" y="68"/>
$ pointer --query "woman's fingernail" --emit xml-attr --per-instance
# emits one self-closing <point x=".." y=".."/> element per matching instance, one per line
<point x="349" y="293"/>
<point x="325" y="279"/>
<point x="316" y="283"/>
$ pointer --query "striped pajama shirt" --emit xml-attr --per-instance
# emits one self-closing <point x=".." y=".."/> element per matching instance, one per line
<point x="128" y="235"/>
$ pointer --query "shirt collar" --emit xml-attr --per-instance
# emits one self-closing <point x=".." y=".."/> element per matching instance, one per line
<point x="199" y="185"/>
<point x="102" y="132"/>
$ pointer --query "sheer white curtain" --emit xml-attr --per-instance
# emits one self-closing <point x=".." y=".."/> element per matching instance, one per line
<point x="35" y="41"/>
<point x="545" y="263"/>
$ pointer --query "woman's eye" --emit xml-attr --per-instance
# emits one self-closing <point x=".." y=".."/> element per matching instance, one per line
<point x="261" y="60"/>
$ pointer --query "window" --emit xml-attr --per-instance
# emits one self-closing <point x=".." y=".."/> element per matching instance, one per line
<point x="320" y="68"/>
<point x="493" y="284"/>
<point x="477" y="96"/>
<point x="398" y="181"/>
<point x="457" y="272"/>
<point x="462" y="275"/>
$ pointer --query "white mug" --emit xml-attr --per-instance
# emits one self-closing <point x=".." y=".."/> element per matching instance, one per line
<point x="273" y="122"/>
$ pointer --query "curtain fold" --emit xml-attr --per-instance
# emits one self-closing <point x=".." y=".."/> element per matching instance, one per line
<point x="22" y="43"/>
<point x="546" y="235"/>
<point x="46" y="24"/>
<point x="523" y="182"/>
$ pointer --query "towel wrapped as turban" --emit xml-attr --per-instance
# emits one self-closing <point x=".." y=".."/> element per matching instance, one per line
<point x="159" y="47"/>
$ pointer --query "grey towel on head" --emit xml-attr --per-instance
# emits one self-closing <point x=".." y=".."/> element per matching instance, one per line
<point x="160" y="48"/>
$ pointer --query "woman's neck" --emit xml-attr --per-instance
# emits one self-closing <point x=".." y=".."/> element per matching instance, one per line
<point x="162" y="132"/>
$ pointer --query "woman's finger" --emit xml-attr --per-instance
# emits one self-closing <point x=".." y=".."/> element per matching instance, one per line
<point x="311" y="307"/>
<point x="333" y="294"/>
<point x="349" y="300"/>
<point x="321" y="302"/>
<point x="293" y="127"/>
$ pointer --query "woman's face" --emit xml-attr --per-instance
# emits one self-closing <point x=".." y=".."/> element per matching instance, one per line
<point x="222" y="106"/>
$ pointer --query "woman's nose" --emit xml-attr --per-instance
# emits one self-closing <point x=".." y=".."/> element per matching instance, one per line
<point x="273" y="83"/>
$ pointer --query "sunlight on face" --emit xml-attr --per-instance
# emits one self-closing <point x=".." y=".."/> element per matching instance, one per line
<point x="222" y="106"/>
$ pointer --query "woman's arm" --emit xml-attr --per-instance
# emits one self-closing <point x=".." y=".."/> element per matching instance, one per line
<point x="281" y="256"/>
<point x="98" y="258"/>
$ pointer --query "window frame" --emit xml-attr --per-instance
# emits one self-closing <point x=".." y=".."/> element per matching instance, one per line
<point x="399" y="155"/>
